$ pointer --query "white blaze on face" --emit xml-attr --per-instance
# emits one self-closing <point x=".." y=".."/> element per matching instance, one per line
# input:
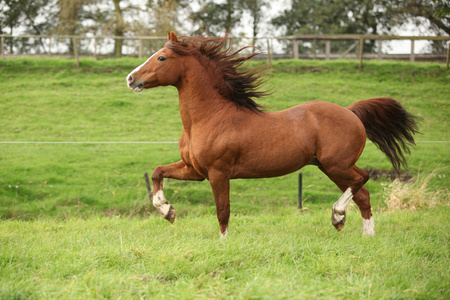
<point x="139" y="67"/>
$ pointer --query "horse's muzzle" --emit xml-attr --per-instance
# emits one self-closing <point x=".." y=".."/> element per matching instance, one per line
<point x="136" y="86"/>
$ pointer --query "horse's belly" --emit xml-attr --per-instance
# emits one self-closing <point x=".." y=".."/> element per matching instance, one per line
<point x="266" y="173"/>
<point x="281" y="144"/>
<point x="272" y="165"/>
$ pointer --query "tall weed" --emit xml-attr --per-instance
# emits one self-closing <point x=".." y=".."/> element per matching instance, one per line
<point x="415" y="193"/>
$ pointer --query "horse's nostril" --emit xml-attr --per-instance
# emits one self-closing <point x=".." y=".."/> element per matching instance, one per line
<point x="130" y="78"/>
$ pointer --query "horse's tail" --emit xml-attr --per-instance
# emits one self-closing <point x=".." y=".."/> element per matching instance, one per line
<point x="389" y="126"/>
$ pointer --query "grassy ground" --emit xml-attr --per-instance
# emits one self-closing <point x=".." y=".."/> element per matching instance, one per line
<point x="76" y="220"/>
<point x="294" y="256"/>
<point x="50" y="100"/>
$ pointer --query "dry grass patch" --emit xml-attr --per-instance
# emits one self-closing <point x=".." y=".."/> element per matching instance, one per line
<point x="415" y="193"/>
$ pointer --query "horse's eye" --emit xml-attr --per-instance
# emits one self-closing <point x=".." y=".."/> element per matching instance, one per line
<point x="161" y="58"/>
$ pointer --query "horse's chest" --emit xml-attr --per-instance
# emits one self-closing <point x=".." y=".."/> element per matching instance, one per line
<point x="195" y="154"/>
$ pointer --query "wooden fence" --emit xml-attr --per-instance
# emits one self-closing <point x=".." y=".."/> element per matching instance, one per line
<point x="359" y="42"/>
<point x="356" y="46"/>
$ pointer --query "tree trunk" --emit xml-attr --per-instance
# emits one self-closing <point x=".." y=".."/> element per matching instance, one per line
<point x="119" y="29"/>
<point x="69" y="19"/>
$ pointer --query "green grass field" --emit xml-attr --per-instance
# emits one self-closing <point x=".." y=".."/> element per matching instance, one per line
<point x="76" y="221"/>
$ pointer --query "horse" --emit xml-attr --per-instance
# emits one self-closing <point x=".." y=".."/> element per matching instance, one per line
<point x="227" y="135"/>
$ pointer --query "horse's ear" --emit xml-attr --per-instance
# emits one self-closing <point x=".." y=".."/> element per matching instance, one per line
<point x="173" y="37"/>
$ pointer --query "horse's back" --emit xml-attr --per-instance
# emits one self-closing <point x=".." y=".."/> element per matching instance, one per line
<point x="284" y="141"/>
<point x="340" y="133"/>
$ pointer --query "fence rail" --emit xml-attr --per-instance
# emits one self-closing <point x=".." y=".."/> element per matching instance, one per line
<point x="96" y="46"/>
<point x="359" y="43"/>
<point x="149" y="142"/>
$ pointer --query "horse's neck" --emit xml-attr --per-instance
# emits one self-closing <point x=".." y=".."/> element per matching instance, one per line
<point x="199" y="100"/>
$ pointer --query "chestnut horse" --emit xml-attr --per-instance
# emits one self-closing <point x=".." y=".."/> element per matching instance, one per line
<point x="226" y="135"/>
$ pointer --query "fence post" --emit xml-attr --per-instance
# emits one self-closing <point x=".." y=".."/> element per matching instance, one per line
<point x="314" y="48"/>
<point x="295" y="49"/>
<point x="141" y="48"/>
<point x="269" y="58"/>
<point x="49" y="46"/>
<point x="448" y="54"/>
<point x="380" y="45"/>
<point x="411" y="56"/>
<point x="300" y="192"/>
<point x="75" y="50"/>
<point x="327" y="49"/>
<point x="2" y="40"/>
<point x="95" y="48"/>
<point x="361" y="52"/>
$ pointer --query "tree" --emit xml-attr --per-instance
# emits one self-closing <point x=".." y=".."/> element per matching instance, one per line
<point x="333" y="17"/>
<point x="330" y="17"/>
<point x="69" y="19"/>
<point x="437" y="14"/>
<point x="30" y="16"/>
<point x="360" y="17"/>
<point x="10" y="18"/>
<point x="119" y="28"/>
<point x="443" y="9"/>
<point x="433" y="15"/>
<point x="214" y="18"/>
<point x="254" y="7"/>
<point x="166" y="15"/>
<point x="10" y="14"/>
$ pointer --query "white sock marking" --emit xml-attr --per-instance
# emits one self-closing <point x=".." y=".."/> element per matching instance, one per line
<point x="340" y="207"/>
<point x="341" y="204"/>
<point x="368" y="226"/>
<point x="160" y="202"/>
<point x="225" y="234"/>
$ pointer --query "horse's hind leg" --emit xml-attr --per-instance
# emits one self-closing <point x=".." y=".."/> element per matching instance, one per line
<point x="362" y="199"/>
<point x="351" y="182"/>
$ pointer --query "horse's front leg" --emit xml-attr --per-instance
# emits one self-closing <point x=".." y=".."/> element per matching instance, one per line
<point x="220" y="185"/>
<point x="178" y="170"/>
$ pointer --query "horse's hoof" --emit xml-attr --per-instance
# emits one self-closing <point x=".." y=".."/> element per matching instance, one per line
<point x="338" y="221"/>
<point x="170" y="216"/>
<point x="339" y="225"/>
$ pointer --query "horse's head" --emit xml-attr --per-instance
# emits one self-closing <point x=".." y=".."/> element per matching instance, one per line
<point x="161" y="68"/>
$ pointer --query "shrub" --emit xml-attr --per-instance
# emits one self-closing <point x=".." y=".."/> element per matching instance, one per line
<point x="415" y="193"/>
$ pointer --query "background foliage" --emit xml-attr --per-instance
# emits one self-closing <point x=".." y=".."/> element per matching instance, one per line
<point x="246" y="17"/>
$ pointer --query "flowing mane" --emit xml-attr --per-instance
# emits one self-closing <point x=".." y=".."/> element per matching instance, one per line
<point x="234" y="83"/>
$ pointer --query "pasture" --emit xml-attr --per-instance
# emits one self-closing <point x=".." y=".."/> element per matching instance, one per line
<point x="76" y="221"/>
